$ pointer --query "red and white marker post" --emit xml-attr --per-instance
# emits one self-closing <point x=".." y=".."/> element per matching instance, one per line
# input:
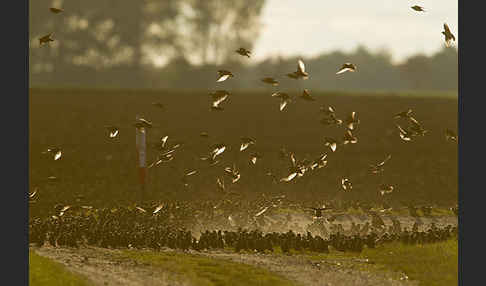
<point x="141" y="155"/>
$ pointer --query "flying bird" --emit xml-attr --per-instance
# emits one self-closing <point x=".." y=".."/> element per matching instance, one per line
<point x="378" y="168"/>
<point x="45" y="39"/>
<point x="289" y="178"/>
<point x="449" y="37"/>
<point x="233" y="173"/>
<point x="284" y="99"/>
<point x="306" y="95"/>
<point x="327" y="110"/>
<point x="320" y="162"/>
<point x="405" y="135"/>
<point x="218" y="97"/>
<point x="300" y="73"/>
<point x="246" y="142"/>
<point x="55" y="152"/>
<point x="56" y="10"/>
<point x="346" y="184"/>
<point x="347" y="67"/>
<point x="331" y="143"/>
<point x="318" y="211"/>
<point x="352" y="121"/>
<point x="112" y="131"/>
<point x="224" y="75"/>
<point x="244" y="52"/>
<point x="217" y="149"/>
<point x="450" y="135"/>
<point x="158" y="104"/>
<point x="418" y="8"/>
<point x="386" y="189"/>
<point x="143" y="123"/>
<point x="158" y="208"/>
<point x="270" y="80"/>
<point x="349" y="138"/>
<point x="404" y="114"/>
<point x="204" y="134"/>
<point x="254" y="157"/>
<point x="416" y="127"/>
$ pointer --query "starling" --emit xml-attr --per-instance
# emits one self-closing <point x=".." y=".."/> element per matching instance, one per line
<point x="306" y="95"/>
<point x="244" y="52"/>
<point x="300" y="73"/>
<point x="284" y="99"/>
<point x="349" y="138"/>
<point x="56" y="10"/>
<point x="418" y="8"/>
<point x="449" y="37"/>
<point x="347" y="67"/>
<point x="270" y="80"/>
<point x="218" y="97"/>
<point x="352" y="121"/>
<point x="331" y="143"/>
<point x="346" y="184"/>
<point x="450" y="135"/>
<point x="45" y="39"/>
<point x="246" y="142"/>
<point x="224" y="75"/>
<point x="112" y="131"/>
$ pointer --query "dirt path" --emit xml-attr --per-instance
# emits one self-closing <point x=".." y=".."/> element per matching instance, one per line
<point x="102" y="267"/>
<point x="325" y="273"/>
<point x="105" y="267"/>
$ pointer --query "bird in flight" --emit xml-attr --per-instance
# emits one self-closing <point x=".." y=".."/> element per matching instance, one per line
<point x="405" y="135"/>
<point x="223" y="75"/>
<point x="218" y="97"/>
<point x="56" y="152"/>
<point x="378" y="168"/>
<point x="112" y="131"/>
<point x="386" y="189"/>
<point x="270" y="80"/>
<point x="254" y="157"/>
<point x="347" y="67"/>
<point x="300" y="73"/>
<point x="346" y="184"/>
<point x="349" y="138"/>
<point x="449" y="37"/>
<point x="233" y="173"/>
<point x="45" y="39"/>
<point x="352" y="121"/>
<point x="284" y="99"/>
<point x="404" y="114"/>
<point x="450" y="135"/>
<point x="306" y="95"/>
<point x="331" y="143"/>
<point x="244" y="52"/>
<point x="246" y="142"/>
<point x="143" y="123"/>
<point x="56" y="10"/>
<point x="418" y="8"/>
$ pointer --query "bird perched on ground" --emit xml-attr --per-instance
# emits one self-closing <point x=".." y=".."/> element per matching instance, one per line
<point x="386" y="189"/>
<point x="56" y="10"/>
<point x="331" y="143"/>
<point x="246" y="142"/>
<point x="378" y="168"/>
<point x="300" y="73"/>
<point x="418" y="8"/>
<point x="404" y="114"/>
<point x="223" y="75"/>
<point x="349" y="138"/>
<point x="284" y="99"/>
<point x="218" y="97"/>
<point x="449" y="37"/>
<point x="450" y="135"/>
<point x="306" y="95"/>
<point x="352" y="121"/>
<point x="112" y="131"/>
<point x="270" y="80"/>
<point x="346" y="184"/>
<point x="243" y="52"/>
<point x="347" y="67"/>
<point x="45" y="39"/>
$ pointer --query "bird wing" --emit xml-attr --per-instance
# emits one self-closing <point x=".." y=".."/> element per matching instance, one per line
<point x="301" y="66"/>
<point x="289" y="178"/>
<point x="283" y="103"/>
<point x="223" y="78"/>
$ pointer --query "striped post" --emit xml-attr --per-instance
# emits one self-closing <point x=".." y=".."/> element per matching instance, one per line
<point x="141" y="155"/>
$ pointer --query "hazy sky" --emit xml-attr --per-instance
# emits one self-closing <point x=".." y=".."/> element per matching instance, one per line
<point x="310" y="27"/>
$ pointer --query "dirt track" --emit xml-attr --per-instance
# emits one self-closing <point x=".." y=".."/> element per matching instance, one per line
<point x="103" y="267"/>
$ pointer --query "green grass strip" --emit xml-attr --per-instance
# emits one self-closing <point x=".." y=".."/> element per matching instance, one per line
<point x="205" y="271"/>
<point x="45" y="272"/>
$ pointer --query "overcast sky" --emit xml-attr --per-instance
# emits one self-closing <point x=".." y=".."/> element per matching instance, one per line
<point x="310" y="27"/>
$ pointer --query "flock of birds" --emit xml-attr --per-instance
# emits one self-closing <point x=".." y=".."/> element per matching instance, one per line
<point x="141" y="225"/>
